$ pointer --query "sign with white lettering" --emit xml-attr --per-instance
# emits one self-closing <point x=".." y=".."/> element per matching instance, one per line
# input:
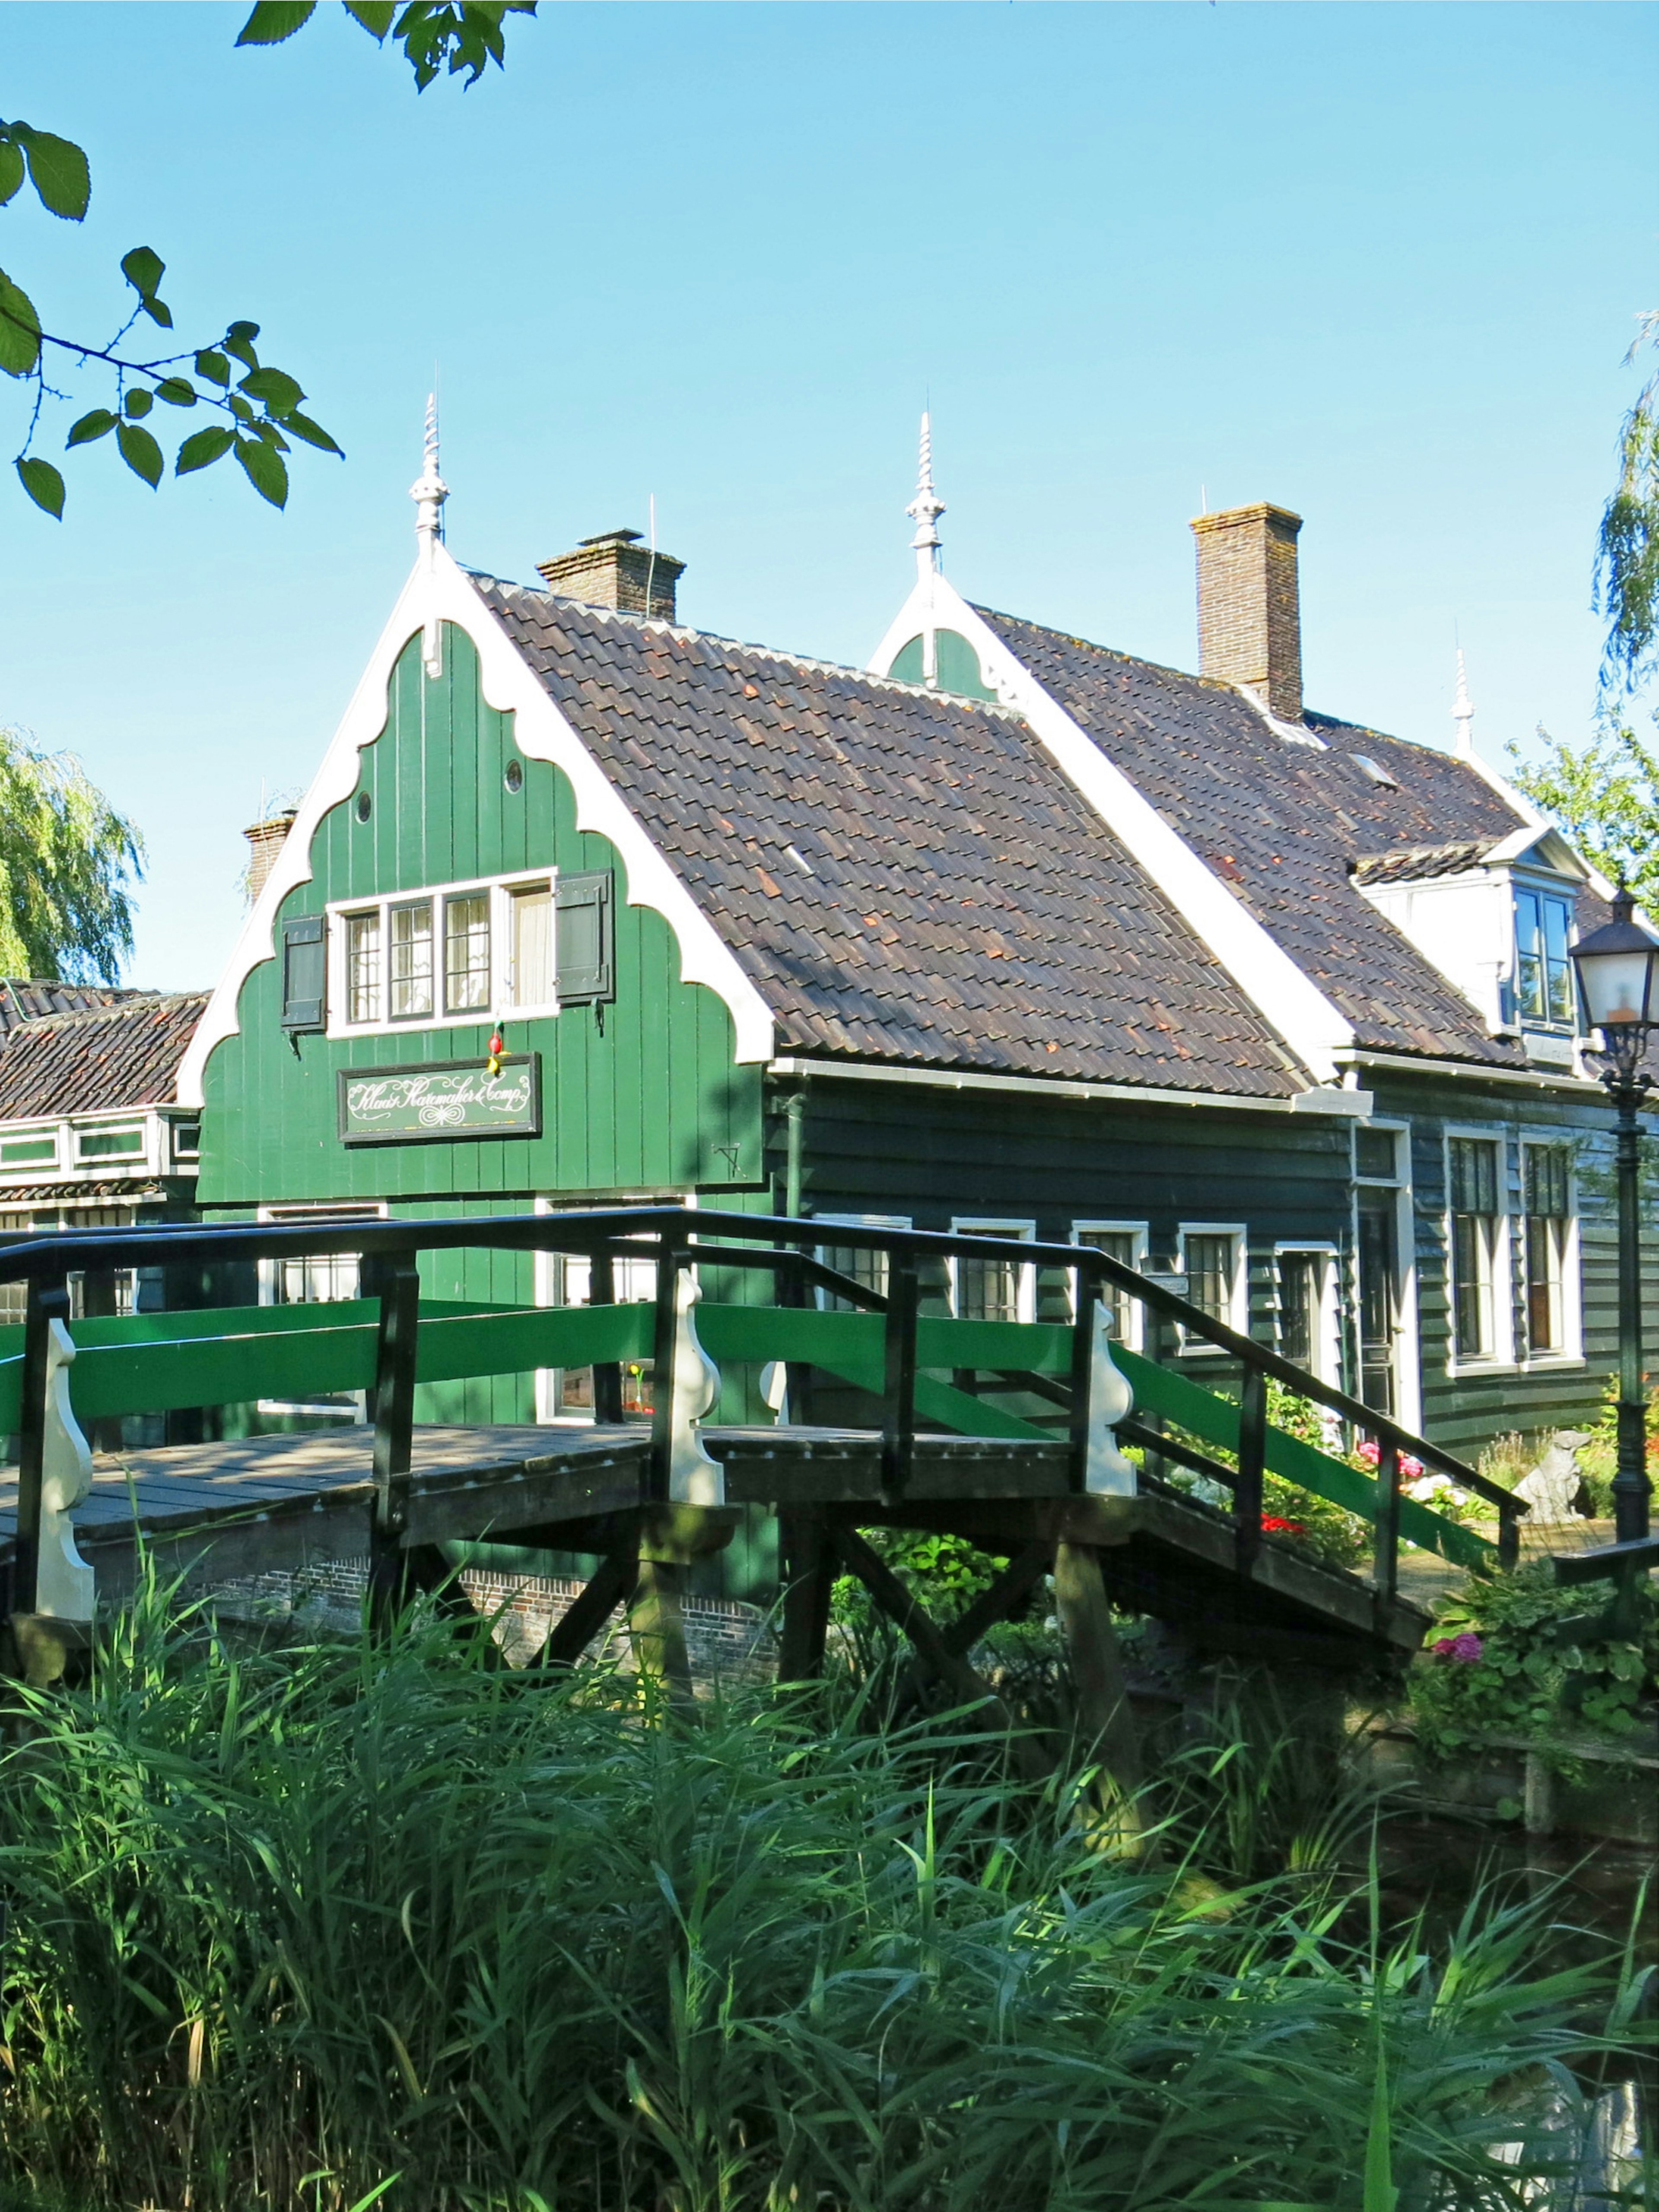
<point x="440" y="1099"/>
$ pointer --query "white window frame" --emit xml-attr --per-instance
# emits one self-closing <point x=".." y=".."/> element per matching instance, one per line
<point x="32" y="1132"/>
<point x="1139" y="1233"/>
<point x="501" y="1006"/>
<point x="1328" y="1320"/>
<point x="113" y="1163"/>
<point x="352" y="1409"/>
<point x="821" y="1296"/>
<point x="1408" y="1363"/>
<point x="1502" y="1357"/>
<point x="1571" y="1352"/>
<point x="550" y="1290"/>
<point x="1011" y="1231"/>
<point x="1563" y="894"/>
<point x="1238" y="1313"/>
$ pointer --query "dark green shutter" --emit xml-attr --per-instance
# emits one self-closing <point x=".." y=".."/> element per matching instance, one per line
<point x="305" y="972"/>
<point x="582" y="915"/>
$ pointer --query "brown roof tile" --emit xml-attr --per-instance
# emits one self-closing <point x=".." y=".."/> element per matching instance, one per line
<point x="125" y="1055"/>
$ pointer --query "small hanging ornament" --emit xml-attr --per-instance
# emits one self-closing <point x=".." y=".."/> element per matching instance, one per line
<point x="497" y="1053"/>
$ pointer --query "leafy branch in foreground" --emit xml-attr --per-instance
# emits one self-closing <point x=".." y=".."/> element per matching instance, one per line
<point x="434" y="34"/>
<point x="1605" y="795"/>
<point x="65" y="859"/>
<point x="1627" y="549"/>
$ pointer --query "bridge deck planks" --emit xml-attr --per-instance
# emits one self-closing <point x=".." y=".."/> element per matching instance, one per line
<point x="276" y="1503"/>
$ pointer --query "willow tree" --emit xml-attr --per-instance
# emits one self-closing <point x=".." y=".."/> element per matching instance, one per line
<point x="67" y="862"/>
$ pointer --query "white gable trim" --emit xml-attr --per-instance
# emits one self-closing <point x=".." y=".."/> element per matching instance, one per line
<point x="437" y="591"/>
<point x="1300" y="1013"/>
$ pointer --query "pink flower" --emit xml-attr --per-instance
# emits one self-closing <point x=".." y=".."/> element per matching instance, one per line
<point x="1410" y="1466"/>
<point x="1466" y="1647"/>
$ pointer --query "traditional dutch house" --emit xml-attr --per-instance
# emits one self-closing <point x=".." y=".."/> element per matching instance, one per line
<point x="1009" y="931"/>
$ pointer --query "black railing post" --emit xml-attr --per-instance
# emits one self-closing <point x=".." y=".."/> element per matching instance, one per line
<point x="1385" y="1563"/>
<point x="670" y="1258"/>
<point x="607" y="1373"/>
<point x="1086" y="1306"/>
<point x="898" y="1400"/>
<point x="395" y="1280"/>
<point x="48" y="1301"/>
<point x="1509" y="1534"/>
<point x="1252" y="1466"/>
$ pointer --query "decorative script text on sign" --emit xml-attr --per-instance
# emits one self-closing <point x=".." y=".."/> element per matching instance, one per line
<point x="440" y="1099"/>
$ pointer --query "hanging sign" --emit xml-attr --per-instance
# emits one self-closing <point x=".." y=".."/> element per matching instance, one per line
<point x="440" y="1099"/>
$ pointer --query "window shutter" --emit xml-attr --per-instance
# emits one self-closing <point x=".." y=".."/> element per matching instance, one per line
<point x="305" y="972"/>
<point x="582" y="905"/>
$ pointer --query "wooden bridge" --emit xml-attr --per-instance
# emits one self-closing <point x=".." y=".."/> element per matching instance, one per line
<point x="875" y="1411"/>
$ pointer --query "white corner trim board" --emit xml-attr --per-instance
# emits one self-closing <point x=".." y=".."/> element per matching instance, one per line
<point x="1303" y="1017"/>
<point x="439" y="590"/>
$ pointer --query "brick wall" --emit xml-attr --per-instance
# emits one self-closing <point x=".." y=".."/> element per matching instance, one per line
<point x="1249" y="616"/>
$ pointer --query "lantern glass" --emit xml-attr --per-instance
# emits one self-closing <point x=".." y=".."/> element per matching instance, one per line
<point x="1616" y="966"/>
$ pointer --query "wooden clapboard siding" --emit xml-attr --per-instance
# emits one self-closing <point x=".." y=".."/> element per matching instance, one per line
<point x="641" y="1101"/>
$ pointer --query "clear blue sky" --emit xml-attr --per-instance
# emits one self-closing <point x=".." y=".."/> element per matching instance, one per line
<point x="1378" y="263"/>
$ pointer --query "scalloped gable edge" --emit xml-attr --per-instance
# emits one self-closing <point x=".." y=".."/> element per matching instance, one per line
<point x="443" y="591"/>
<point x="1294" y="1007"/>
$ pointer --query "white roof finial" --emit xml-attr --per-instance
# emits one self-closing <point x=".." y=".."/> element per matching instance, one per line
<point x="430" y="492"/>
<point x="927" y="507"/>
<point x="1464" y="712"/>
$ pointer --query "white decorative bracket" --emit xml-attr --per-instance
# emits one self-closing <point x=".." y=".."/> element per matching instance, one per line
<point x="694" y="1479"/>
<point x="1107" y="1472"/>
<point x="64" y="1585"/>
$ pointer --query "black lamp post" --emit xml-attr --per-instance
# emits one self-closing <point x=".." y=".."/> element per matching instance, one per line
<point x="1618" y="969"/>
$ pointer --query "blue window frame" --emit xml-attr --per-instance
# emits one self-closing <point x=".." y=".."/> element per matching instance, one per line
<point x="1543" y="971"/>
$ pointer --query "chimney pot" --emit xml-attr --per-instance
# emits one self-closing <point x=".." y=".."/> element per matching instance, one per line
<point x="615" y="569"/>
<point x="1250" y="615"/>
<point x="265" y="840"/>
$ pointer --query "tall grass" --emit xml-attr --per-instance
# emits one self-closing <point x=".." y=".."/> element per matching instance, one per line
<point x="285" y="1924"/>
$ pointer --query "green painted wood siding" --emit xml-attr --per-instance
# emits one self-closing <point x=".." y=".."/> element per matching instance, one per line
<point x="643" y="1101"/>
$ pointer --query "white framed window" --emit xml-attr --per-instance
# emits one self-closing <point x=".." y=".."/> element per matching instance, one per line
<point x="436" y="958"/>
<point x="1308" y="1315"/>
<point x="316" y="1279"/>
<point x="115" y="1141"/>
<point x="566" y="1278"/>
<point x="1211" y="1255"/>
<point x="1127" y="1241"/>
<point x="28" y="1150"/>
<point x="1543" y="972"/>
<point x="187" y="1141"/>
<point x="994" y="1289"/>
<point x="1478" y="1249"/>
<point x="864" y="1265"/>
<point x="1550" y="1252"/>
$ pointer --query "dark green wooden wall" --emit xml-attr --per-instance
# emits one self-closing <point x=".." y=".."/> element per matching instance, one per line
<point x="641" y="1103"/>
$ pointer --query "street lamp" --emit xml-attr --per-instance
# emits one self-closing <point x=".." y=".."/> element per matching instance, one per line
<point x="1618" y="969"/>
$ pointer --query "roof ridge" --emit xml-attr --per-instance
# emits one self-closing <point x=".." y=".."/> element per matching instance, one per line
<point x="804" y="660"/>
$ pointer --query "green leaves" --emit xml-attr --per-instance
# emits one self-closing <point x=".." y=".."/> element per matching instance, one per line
<point x="98" y="424"/>
<point x="19" y="330"/>
<point x="43" y="484"/>
<point x="273" y="21"/>
<point x="202" y="450"/>
<point x="265" y="469"/>
<point x="57" y="168"/>
<point x="277" y="393"/>
<point x="374" y="16"/>
<point x="140" y="452"/>
<point x="212" y="364"/>
<point x="142" y="269"/>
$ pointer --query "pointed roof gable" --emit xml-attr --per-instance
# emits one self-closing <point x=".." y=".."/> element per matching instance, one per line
<point x="1285" y="823"/>
<point x="904" y="875"/>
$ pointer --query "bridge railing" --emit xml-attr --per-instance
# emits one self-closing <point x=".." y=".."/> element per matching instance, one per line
<point x="883" y="1342"/>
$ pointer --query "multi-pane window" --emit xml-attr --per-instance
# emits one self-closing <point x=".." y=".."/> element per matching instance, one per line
<point x="1476" y="1227"/>
<point x="1301" y="1285"/>
<point x="1127" y="1244"/>
<point x="1543" y="971"/>
<point x="862" y="1263"/>
<point x="411" y="960"/>
<point x="1548" y="1241"/>
<point x="992" y="1289"/>
<point x="532" y="978"/>
<point x="1211" y="1259"/>
<point x="362" y="942"/>
<point x="566" y="1393"/>
<point x="466" y="952"/>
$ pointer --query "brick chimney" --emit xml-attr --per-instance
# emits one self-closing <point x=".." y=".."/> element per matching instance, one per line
<point x="265" y="840"/>
<point x="1250" y="615"/>
<point x="615" y="570"/>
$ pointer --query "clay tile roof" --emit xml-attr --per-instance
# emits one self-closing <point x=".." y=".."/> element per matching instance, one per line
<point x="24" y="999"/>
<point x="1285" y="823"/>
<point x="904" y="876"/>
<point x="126" y="1054"/>
<point x="1418" y="863"/>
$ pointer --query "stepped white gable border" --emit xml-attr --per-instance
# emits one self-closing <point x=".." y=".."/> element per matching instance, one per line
<point x="437" y="591"/>
<point x="1303" y="1017"/>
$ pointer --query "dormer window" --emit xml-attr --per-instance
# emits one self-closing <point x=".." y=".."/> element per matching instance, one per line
<point x="1543" y="974"/>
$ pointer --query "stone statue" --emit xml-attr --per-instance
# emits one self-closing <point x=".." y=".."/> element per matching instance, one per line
<point x="1553" y="1489"/>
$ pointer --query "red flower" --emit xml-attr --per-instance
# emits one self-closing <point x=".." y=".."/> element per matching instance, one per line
<point x="1271" y="1525"/>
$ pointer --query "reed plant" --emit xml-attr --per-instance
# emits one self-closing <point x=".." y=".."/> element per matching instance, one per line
<point x="291" y="1925"/>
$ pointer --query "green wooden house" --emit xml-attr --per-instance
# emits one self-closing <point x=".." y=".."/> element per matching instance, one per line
<point x="1008" y="931"/>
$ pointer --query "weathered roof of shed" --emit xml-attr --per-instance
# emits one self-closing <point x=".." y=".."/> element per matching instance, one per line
<point x="1284" y="823"/>
<point x="98" y="1058"/>
<point x="904" y="875"/>
<point x="1419" y="864"/>
<point x="27" y="999"/>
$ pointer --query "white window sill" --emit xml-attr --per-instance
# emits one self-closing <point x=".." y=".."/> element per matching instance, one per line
<point x="1459" y="1370"/>
<point x="1547" y="1362"/>
<point x="419" y="1024"/>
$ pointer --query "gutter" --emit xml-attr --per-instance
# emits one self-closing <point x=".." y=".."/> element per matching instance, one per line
<point x="1341" y="1103"/>
<point x="1403" y="1063"/>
